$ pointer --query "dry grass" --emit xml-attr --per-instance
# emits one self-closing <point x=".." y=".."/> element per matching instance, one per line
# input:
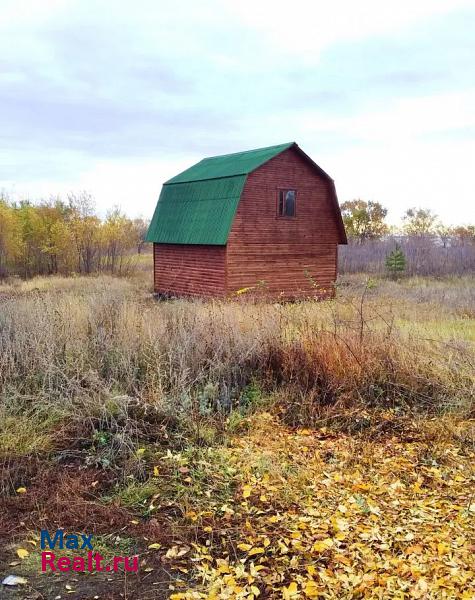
<point x="121" y="412"/>
<point x="65" y="339"/>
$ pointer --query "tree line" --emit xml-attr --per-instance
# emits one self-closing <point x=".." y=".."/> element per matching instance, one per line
<point x="422" y="245"/>
<point x="367" y="221"/>
<point x="59" y="236"/>
<point x="65" y="236"/>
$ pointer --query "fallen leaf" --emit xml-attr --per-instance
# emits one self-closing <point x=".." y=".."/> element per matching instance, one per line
<point x="246" y="491"/>
<point x="244" y="547"/>
<point x="290" y="590"/>
<point x="14" y="580"/>
<point x="255" y="551"/>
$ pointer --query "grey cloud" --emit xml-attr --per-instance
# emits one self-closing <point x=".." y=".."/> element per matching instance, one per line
<point x="101" y="128"/>
<point x="103" y="95"/>
<point x="433" y="57"/>
<point x="101" y="87"/>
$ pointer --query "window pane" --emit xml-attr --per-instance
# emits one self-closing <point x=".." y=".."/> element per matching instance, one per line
<point x="290" y="203"/>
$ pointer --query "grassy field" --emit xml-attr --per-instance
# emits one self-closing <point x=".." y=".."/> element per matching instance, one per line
<point x="241" y="449"/>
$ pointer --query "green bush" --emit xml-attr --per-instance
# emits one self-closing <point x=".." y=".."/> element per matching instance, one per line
<point x="396" y="263"/>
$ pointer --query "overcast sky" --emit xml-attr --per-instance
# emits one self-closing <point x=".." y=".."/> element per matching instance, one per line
<point x="115" y="97"/>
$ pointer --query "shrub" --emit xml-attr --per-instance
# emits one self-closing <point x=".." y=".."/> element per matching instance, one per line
<point x="396" y="263"/>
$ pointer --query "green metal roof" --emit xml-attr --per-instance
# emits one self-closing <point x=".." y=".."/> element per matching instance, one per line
<point x="198" y="205"/>
<point x="239" y="163"/>
<point x="196" y="212"/>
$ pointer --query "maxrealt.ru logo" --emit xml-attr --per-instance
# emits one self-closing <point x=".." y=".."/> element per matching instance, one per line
<point x="91" y="562"/>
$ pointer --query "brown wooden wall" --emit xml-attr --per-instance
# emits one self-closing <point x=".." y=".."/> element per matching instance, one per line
<point x="289" y="255"/>
<point x="189" y="270"/>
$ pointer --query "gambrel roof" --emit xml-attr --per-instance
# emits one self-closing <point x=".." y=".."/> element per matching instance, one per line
<point x="198" y="205"/>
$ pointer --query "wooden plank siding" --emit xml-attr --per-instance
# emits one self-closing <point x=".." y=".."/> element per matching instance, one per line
<point x="189" y="270"/>
<point x="287" y="257"/>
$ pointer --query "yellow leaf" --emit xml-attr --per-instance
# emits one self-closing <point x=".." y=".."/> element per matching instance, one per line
<point x="224" y="569"/>
<point x="134" y="522"/>
<point x="442" y="548"/>
<point x="21" y="490"/>
<point x="416" y="549"/>
<point x="322" y="545"/>
<point x="246" y="491"/>
<point x="244" y="547"/>
<point x="154" y="546"/>
<point x="339" y="524"/>
<point x="140" y="451"/>
<point x="255" y="590"/>
<point x="291" y="590"/>
<point x="416" y="488"/>
<point x="254" y="551"/>
<point x="22" y="553"/>
<point x="311" y="589"/>
<point x="341" y="558"/>
<point x="176" y="551"/>
<point x="156" y="471"/>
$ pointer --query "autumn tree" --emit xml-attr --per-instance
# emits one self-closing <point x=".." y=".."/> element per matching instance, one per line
<point x="419" y="222"/>
<point x="364" y="220"/>
<point x="10" y="236"/>
<point x="464" y="234"/>
<point x="55" y="238"/>
<point x="119" y="240"/>
<point x="31" y="260"/>
<point x="85" y="230"/>
<point x="444" y="234"/>
<point x="140" y="231"/>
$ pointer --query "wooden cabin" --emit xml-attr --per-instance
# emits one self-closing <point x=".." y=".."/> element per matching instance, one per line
<point x="264" y="222"/>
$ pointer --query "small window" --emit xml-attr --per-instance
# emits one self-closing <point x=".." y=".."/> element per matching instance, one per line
<point x="287" y="203"/>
